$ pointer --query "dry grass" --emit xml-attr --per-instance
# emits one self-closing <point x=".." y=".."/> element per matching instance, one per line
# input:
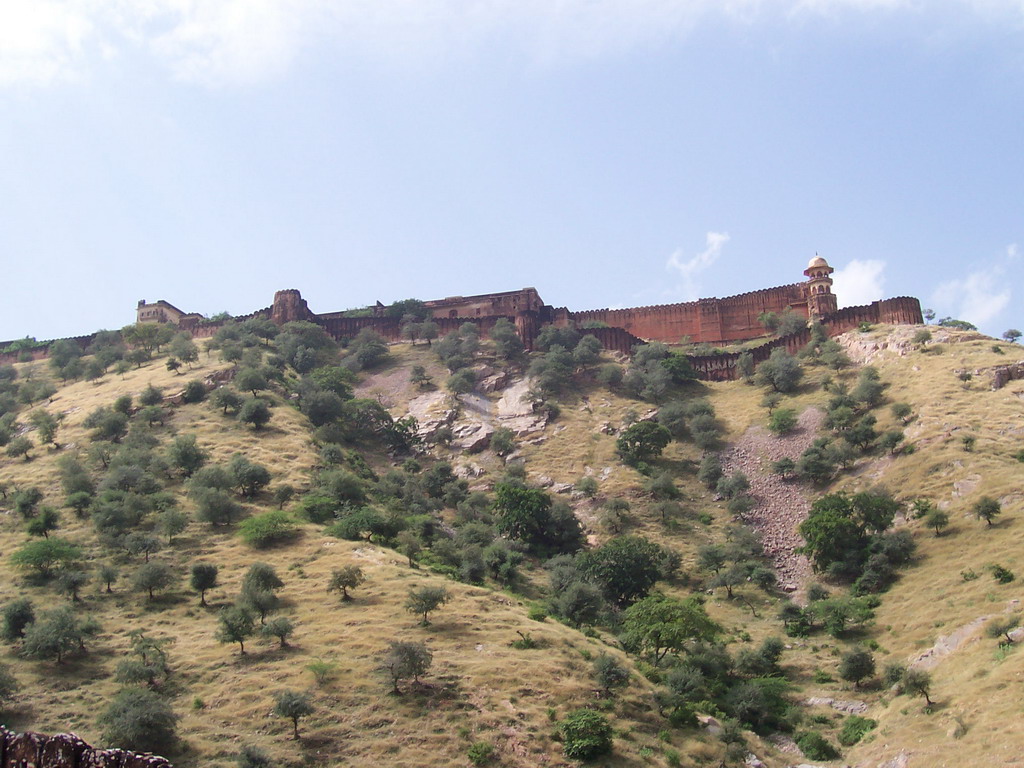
<point x="480" y="688"/>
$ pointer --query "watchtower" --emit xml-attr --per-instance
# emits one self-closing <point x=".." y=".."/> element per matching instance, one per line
<point x="820" y="299"/>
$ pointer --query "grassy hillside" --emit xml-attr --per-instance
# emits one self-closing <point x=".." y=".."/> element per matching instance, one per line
<point x="480" y="688"/>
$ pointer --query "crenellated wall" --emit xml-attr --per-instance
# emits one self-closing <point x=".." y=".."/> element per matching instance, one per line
<point x="711" y="321"/>
<point x="66" y="750"/>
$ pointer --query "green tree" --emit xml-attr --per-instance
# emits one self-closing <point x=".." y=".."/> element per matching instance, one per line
<point x="256" y="412"/>
<point x="70" y="583"/>
<point x="294" y="706"/>
<point x="46" y="424"/>
<point x="782" y="421"/>
<point x="172" y="522"/>
<point x="226" y="399"/>
<point x="856" y="665"/>
<point x="348" y="577"/>
<point x="524" y="514"/>
<point x="214" y="506"/>
<point x="20" y="447"/>
<point x="986" y="508"/>
<point x="249" y="477"/>
<point x="585" y="734"/>
<point x="236" y="626"/>
<point x="203" y="578"/>
<point x="108" y="574"/>
<point x="280" y="627"/>
<point x="139" y="719"/>
<point x="781" y="371"/>
<point x="404" y="660"/>
<point x="53" y="635"/>
<point x="426" y="599"/>
<point x="625" y="568"/>
<point x="43" y="556"/>
<point x="151" y="577"/>
<point x="642" y="442"/>
<point x="251" y="380"/>
<point x="47" y="520"/>
<point x="610" y="673"/>
<point x="185" y="454"/>
<point x="918" y="682"/>
<point x="580" y="603"/>
<point x="1011" y="335"/>
<point x="658" y="625"/>
<point x="107" y="425"/>
<point x="937" y="519"/>
<point x="1001" y="626"/>
<point x="17" y="616"/>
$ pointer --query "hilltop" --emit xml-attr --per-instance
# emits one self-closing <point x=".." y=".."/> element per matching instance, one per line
<point x="426" y="501"/>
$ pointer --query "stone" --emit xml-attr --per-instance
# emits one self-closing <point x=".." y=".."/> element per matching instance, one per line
<point x="64" y="749"/>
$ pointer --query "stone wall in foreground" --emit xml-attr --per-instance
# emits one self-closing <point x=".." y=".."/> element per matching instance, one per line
<point x="65" y="750"/>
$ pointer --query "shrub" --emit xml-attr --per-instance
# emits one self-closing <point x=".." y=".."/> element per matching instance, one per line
<point x="586" y="734"/>
<point x="855" y="728"/>
<point x="139" y="720"/>
<point x="194" y="392"/>
<point x="268" y="528"/>
<point x="610" y="674"/>
<point x="815" y="747"/>
<point x="16" y="617"/>
<point x="480" y="753"/>
<point x="1001" y="574"/>
<point x="782" y="421"/>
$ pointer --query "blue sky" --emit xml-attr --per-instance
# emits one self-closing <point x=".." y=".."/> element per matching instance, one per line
<point x="607" y="152"/>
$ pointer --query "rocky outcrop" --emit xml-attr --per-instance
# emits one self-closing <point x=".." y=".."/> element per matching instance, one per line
<point x="66" y="750"/>
<point x="1004" y="374"/>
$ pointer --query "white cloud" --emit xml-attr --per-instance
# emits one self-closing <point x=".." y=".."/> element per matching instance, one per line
<point x="217" y="42"/>
<point x="859" y="282"/>
<point x="691" y="269"/>
<point x="980" y="296"/>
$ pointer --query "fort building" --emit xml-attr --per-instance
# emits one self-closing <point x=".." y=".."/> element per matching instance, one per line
<point x="713" y="321"/>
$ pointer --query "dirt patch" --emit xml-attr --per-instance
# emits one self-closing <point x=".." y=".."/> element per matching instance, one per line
<point x="780" y="505"/>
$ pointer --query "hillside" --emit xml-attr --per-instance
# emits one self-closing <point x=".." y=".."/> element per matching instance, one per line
<point x="481" y="691"/>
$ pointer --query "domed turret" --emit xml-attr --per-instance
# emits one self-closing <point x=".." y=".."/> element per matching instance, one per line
<point x="820" y="299"/>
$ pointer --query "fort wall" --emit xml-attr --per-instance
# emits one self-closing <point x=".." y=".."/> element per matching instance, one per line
<point x="711" y="321"/>
<point x="715" y="321"/>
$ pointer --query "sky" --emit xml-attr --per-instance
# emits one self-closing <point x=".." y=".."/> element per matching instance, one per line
<point x="609" y="153"/>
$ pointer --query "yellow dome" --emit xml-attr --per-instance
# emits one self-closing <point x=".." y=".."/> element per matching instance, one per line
<point x="817" y="261"/>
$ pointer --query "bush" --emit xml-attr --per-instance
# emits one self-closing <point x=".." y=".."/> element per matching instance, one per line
<point x="268" y="529"/>
<point x="194" y="392"/>
<point x="480" y="753"/>
<point x="586" y="734"/>
<point x="782" y="421"/>
<point x="139" y="720"/>
<point x="855" y="728"/>
<point x="815" y="747"/>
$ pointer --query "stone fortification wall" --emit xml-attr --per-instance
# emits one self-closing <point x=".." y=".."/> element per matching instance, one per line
<point x="711" y="321"/>
<point x="903" y="310"/>
<point x="65" y="750"/>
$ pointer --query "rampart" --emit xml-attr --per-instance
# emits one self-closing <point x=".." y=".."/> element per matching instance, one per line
<point x="716" y="321"/>
<point x="65" y="750"/>
<point x="711" y="321"/>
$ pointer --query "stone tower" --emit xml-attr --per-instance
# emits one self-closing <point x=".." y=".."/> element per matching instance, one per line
<point x="820" y="299"/>
<point x="288" y="307"/>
